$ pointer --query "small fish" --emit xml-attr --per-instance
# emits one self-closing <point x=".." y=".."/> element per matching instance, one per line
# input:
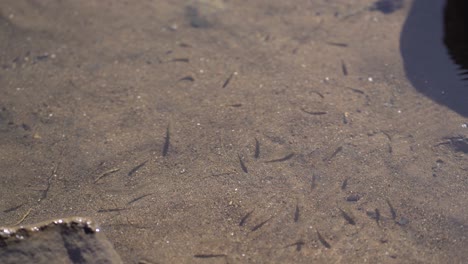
<point x="242" y="164"/>
<point x="42" y="57"/>
<point x="344" y="184"/>
<point x="187" y="78"/>
<point x="228" y="80"/>
<point x="111" y="210"/>
<point x="347" y="217"/>
<point x="357" y="90"/>
<point x="255" y="228"/>
<point x="296" y="214"/>
<point x="392" y="210"/>
<point x="318" y="93"/>
<point x="281" y="159"/>
<point x="181" y="60"/>
<point x="313" y="112"/>
<point x="166" y="143"/>
<point x="185" y="45"/>
<point x="139" y="198"/>
<point x="209" y="255"/>
<point x="343" y="68"/>
<point x="313" y="183"/>
<point x="298" y="245"/>
<point x="49" y="181"/>
<point x="344" y="45"/>
<point x="340" y="148"/>
<point x="13" y="208"/>
<point x="244" y="219"/>
<point x="24" y="216"/>
<point x="132" y="171"/>
<point x="353" y="198"/>
<point x="46" y="191"/>
<point x="257" y="149"/>
<point x="323" y="241"/>
<point x="390" y="148"/>
<point x="377" y="216"/>
<point x="106" y="173"/>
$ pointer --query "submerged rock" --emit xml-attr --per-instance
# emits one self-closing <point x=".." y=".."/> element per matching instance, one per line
<point x="70" y="240"/>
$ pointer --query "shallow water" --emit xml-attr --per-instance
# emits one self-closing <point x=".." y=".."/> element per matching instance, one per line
<point x="231" y="131"/>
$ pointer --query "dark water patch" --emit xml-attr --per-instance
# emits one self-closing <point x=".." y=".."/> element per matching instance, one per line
<point x="387" y="6"/>
<point x="432" y="44"/>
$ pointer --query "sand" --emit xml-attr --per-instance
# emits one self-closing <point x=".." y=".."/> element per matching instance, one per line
<point x="229" y="132"/>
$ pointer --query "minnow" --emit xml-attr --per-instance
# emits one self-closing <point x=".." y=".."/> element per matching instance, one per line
<point x="228" y="79"/>
<point x="353" y="198"/>
<point x="111" y="210"/>
<point x="187" y="78"/>
<point x="343" y="68"/>
<point x="255" y="228"/>
<point x="313" y="183"/>
<point x="377" y="216"/>
<point x="42" y="57"/>
<point x="296" y="214"/>
<point x="281" y="159"/>
<point x="313" y="112"/>
<point x="106" y="173"/>
<point x="181" y="60"/>
<point x="392" y="210"/>
<point x="139" y="198"/>
<point x="244" y="219"/>
<point x="132" y="171"/>
<point x="323" y="241"/>
<point x="319" y="94"/>
<point x="298" y="245"/>
<point x="49" y="182"/>
<point x="166" y="143"/>
<point x="356" y="90"/>
<point x="242" y="164"/>
<point x="257" y="149"/>
<point x="347" y="217"/>
<point x="340" y="148"/>
<point x="13" y="208"/>
<point x="209" y="255"/>
<point x="24" y="216"/>
<point x="344" y="184"/>
<point x="46" y="191"/>
<point x="185" y="45"/>
<point x="338" y="44"/>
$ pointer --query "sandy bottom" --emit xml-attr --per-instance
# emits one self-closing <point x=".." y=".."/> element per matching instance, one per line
<point x="235" y="131"/>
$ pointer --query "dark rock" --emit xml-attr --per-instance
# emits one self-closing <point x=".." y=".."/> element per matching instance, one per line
<point x="459" y="144"/>
<point x="71" y="240"/>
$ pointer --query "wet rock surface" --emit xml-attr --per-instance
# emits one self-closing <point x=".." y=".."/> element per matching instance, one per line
<point x="72" y="240"/>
